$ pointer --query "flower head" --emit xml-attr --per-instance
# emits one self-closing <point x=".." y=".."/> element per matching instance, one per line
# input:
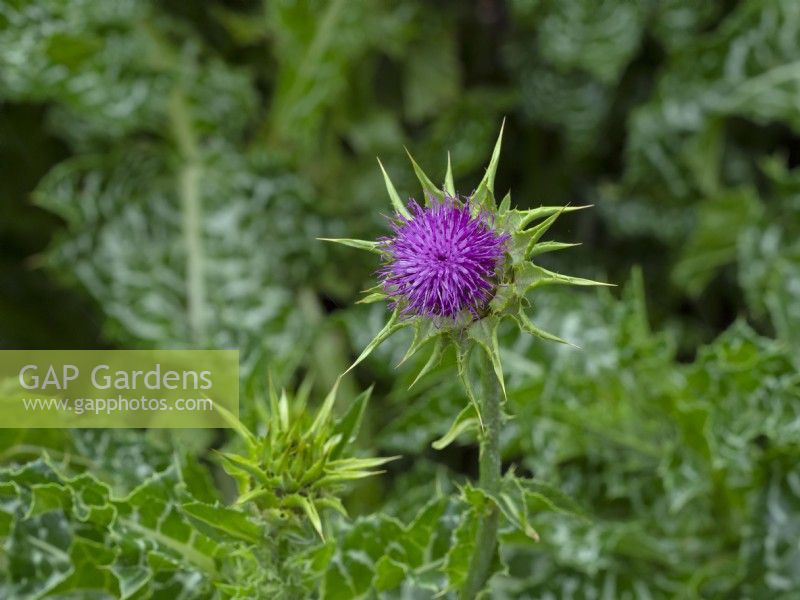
<point x="450" y="259"/>
<point x="442" y="260"/>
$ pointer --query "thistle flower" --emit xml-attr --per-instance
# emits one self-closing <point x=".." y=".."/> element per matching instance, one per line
<point x="442" y="260"/>
<point x="454" y="270"/>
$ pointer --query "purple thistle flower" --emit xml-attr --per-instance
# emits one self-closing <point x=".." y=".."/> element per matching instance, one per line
<point x="442" y="260"/>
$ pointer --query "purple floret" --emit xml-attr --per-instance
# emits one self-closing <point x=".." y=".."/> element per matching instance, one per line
<point x="442" y="260"/>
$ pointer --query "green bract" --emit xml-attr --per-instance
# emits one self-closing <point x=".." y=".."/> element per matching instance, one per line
<point x="295" y="469"/>
<point x="519" y="275"/>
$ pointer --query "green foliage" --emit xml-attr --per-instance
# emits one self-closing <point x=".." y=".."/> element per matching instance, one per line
<point x="112" y="69"/>
<point x="695" y="449"/>
<point x="155" y="245"/>
<point x="67" y="535"/>
<point x="769" y="255"/>
<point x="156" y="228"/>
<point x="432" y="553"/>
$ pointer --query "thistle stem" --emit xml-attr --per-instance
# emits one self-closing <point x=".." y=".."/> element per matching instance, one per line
<point x="489" y="480"/>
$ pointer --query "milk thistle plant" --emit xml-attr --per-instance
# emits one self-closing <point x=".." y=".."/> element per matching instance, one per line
<point x="452" y="270"/>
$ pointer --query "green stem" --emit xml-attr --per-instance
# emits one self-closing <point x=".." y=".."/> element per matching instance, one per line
<point x="490" y="474"/>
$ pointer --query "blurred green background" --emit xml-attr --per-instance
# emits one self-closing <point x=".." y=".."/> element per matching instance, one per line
<point x="166" y="167"/>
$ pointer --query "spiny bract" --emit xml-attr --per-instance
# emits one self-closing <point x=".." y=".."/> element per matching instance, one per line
<point x="298" y="466"/>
